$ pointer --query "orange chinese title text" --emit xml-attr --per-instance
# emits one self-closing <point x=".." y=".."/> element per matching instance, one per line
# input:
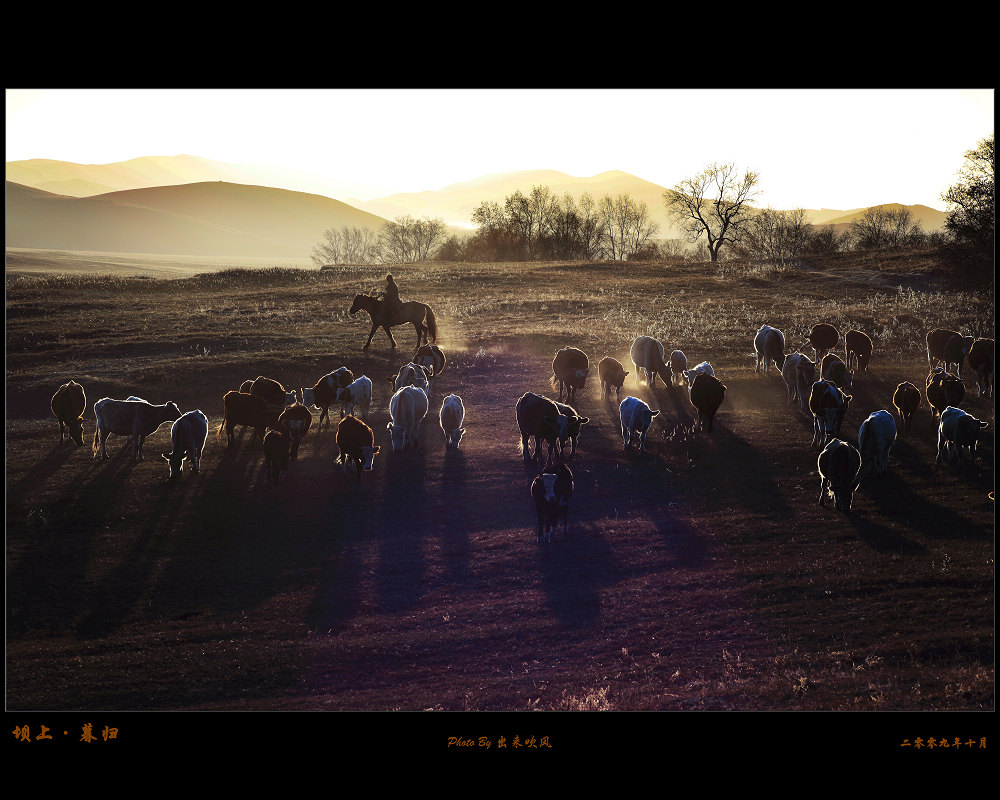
<point x="22" y="733"/>
<point x="944" y="744"/>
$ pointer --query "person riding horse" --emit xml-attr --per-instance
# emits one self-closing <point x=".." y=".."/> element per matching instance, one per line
<point x="393" y="305"/>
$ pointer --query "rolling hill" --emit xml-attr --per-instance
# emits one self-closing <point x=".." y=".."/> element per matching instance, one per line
<point x="202" y="219"/>
<point x="188" y="205"/>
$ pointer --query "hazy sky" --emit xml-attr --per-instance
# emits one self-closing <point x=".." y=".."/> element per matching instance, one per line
<point x="813" y="148"/>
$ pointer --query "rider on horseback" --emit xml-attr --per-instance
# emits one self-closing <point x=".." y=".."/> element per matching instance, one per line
<point x="393" y="305"/>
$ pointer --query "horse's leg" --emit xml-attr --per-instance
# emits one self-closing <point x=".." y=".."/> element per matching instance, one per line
<point x="371" y="333"/>
<point x="389" y="334"/>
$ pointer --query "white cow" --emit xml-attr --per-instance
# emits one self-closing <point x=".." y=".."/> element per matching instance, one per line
<point x="187" y="440"/>
<point x="799" y="374"/>
<point x="408" y="407"/>
<point x="691" y="374"/>
<point x="412" y="375"/>
<point x="957" y="430"/>
<point x="769" y="343"/>
<point x="647" y="355"/>
<point x="358" y="397"/>
<point x="636" y="418"/>
<point x="135" y="418"/>
<point x="875" y="439"/>
<point x="451" y="417"/>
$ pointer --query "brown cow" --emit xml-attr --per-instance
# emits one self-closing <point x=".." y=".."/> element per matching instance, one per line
<point x="823" y="338"/>
<point x="274" y="394"/>
<point x="943" y="389"/>
<point x="858" y="348"/>
<point x="295" y="419"/>
<point x="277" y="447"/>
<point x="356" y="442"/>
<point x="948" y="347"/>
<point x="248" y="410"/>
<point x="570" y="368"/>
<point x="906" y="399"/>
<point x="834" y="370"/>
<point x="980" y="359"/>
<point x="612" y="375"/>
<point x="707" y="394"/>
<point x="327" y="391"/>
<point x="68" y="404"/>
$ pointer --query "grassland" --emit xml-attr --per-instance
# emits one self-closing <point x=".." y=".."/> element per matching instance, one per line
<point x="702" y="576"/>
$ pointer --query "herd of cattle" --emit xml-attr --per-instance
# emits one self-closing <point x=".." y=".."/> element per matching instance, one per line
<point x="280" y="417"/>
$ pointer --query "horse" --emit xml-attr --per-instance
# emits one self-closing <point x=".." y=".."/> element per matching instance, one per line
<point x="419" y="314"/>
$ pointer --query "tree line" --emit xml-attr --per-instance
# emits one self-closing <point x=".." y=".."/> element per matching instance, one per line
<point x="715" y="210"/>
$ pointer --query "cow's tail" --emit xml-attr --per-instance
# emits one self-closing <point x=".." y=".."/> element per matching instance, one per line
<point x="97" y="437"/>
<point x="554" y="382"/>
<point x="218" y="433"/>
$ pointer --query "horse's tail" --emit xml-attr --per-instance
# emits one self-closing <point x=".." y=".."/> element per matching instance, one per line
<point x="432" y="328"/>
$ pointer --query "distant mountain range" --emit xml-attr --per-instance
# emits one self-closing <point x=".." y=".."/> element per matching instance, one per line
<point x="185" y="205"/>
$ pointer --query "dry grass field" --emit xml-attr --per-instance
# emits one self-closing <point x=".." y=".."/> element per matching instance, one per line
<point x="702" y="575"/>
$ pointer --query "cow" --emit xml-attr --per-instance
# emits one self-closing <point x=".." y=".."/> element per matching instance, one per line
<point x="858" y="349"/>
<point x="948" y="347"/>
<point x="636" y="417"/>
<point x="906" y="400"/>
<point x="430" y="356"/>
<point x="690" y="374"/>
<point x="277" y="450"/>
<point x="980" y="360"/>
<point x="326" y="392"/>
<point x="570" y="368"/>
<point x="828" y="405"/>
<point x="799" y="374"/>
<point x="451" y="417"/>
<point x="839" y="465"/>
<point x="248" y="410"/>
<point x="678" y="363"/>
<point x="551" y="491"/>
<point x="245" y="386"/>
<point x="273" y="393"/>
<point x="358" y="397"/>
<point x="612" y="375"/>
<point x="769" y="344"/>
<point x="187" y="440"/>
<point x="707" y="394"/>
<point x="411" y="375"/>
<point x="296" y="419"/>
<point x="407" y="408"/>
<point x="356" y="443"/>
<point x="647" y="356"/>
<point x="875" y="439"/>
<point x="956" y="431"/>
<point x="823" y="338"/>
<point x="129" y="417"/>
<point x="943" y="389"/>
<point x="572" y="426"/>
<point x="68" y="404"/>
<point x="832" y="369"/>
<point x="539" y="416"/>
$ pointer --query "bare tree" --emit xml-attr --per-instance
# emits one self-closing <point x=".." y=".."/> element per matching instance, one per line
<point x="626" y="226"/>
<point x="884" y="228"/>
<point x="773" y="235"/>
<point x="406" y="239"/>
<point x="715" y="202"/>
<point x="347" y="246"/>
